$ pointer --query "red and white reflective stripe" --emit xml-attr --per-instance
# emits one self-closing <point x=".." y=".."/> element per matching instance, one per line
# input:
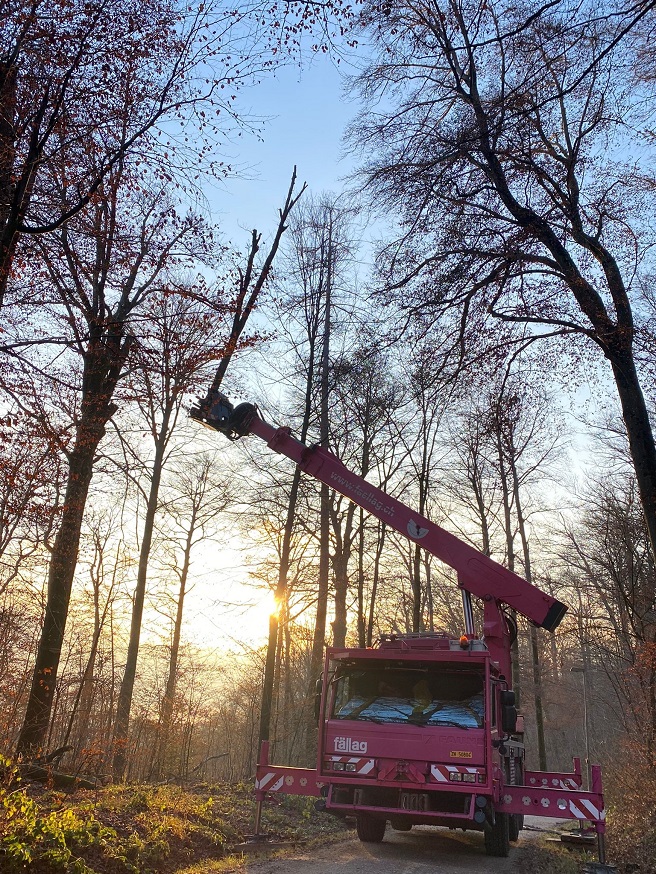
<point x="582" y="808"/>
<point x="440" y="773"/>
<point x="362" y="766"/>
<point x="265" y="783"/>
<point x="554" y="782"/>
<point x="570" y="783"/>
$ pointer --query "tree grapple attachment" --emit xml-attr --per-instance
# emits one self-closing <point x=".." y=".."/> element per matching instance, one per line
<point x="215" y="411"/>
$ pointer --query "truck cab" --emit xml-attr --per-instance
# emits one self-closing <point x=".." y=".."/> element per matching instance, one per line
<point x="411" y="732"/>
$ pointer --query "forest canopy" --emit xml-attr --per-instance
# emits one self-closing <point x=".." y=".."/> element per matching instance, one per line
<point x="467" y="324"/>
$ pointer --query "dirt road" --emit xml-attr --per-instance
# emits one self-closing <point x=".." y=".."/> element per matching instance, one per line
<point x="421" y="851"/>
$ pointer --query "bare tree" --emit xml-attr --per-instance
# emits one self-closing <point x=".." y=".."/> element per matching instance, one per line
<point x="366" y="400"/>
<point x="131" y="79"/>
<point x="186" y="334"/>
<point x="518" y="425"/>
<point x="608" y="558"/>
<point x="30" y="492"/>
<point x="491" y="154"/>
<point x="195" y="498"/>
<point x="252" y="281"/>
<point x="95" y="291"/>
<point x="107" y="567"/>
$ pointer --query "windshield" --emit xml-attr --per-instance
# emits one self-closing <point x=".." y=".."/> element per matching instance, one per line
<point x="450" y="695"/>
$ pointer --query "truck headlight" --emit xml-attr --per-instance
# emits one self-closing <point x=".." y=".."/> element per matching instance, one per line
<point x="455" y="777"/>
<point x="350" y="766"/>
<point x="339" y="766"/>
<point x="469" y="778"/>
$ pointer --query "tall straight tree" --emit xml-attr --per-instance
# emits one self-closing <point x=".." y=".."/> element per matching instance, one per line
<point x="30" y="490"/>
<point x="498" y="151"/>
<point x="519" y="429"/>
<point x="311" y="266"/>
<point x="195" y="498"/>
<point x="365" y="401"/>
<point x="428" y="393"/>
<point x="606" y="556"/>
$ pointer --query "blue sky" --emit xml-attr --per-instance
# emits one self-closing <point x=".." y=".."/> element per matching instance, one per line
<point x="307" y="112"/>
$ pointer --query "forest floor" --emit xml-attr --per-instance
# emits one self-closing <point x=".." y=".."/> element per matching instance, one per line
<point x="168" y="829"/>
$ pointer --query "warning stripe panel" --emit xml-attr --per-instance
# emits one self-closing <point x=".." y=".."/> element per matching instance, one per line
<point x="582" y="808"/>
<point x="440" y="773"/>
<point x="291" y="781"/>
<point x="362" y="766"/>
<point x="547" y="801"/>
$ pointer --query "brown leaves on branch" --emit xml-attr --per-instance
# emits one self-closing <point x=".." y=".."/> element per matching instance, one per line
<point x="86" y="86"/>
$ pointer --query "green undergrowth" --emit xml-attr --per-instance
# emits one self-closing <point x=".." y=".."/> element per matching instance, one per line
<point x="139" y="829"/>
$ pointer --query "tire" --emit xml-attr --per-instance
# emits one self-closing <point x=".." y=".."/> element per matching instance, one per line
<point x="400" y="826"/>
<point x="370" y="830"/>
<point x="497" y="837"/>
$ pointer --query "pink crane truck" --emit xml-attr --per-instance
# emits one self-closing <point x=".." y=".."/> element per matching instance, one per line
<point x="423" y="728"/>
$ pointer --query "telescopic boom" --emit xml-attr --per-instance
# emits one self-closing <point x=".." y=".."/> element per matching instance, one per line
<point x="477" y="573"/>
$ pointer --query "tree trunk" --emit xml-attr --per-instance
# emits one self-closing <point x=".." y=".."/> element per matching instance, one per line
<point x="535" y="649"/>
<point x="416" y="588"/>
<point x="8" y="76"/>
<point x="510" y="555"/>
<point x="341" y="558"/>
<point x="95" y="414"/>
<point x="380" y="545"/>
<point x="171" y="679"/>
<point x="82" y="706"/>
<point x="639" y="432"/>
<point x="129" y="674"/>
<point x="281" y="587"/>
<point x="319" y="638"/>
<point x="362" y="628"/>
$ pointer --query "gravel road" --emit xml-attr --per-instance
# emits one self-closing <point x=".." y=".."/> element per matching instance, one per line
<point x="424" y="850"/>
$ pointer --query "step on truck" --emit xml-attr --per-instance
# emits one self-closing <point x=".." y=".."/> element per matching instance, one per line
<point x="423" y="729"/>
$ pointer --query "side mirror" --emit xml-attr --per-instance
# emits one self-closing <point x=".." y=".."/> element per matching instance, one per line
<point x="317" y="700"/>
<point x="508" y="712"/>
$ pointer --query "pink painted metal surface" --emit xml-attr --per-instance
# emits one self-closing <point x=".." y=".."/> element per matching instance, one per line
<point x="292" y="781"/>
<point x="279" y="778"/>
<point x="407" y="743"/>
<point x="420" y="817"/>
<point x="556" y="779"/>
<point x="543" y="801"/>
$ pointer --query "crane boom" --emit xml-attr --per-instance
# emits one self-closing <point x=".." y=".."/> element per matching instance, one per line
<point x="478" y="574"/>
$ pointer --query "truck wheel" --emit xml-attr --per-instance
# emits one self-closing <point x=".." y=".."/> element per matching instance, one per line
<point x="497" y="837"/>
<point x="370" y="830"/>
<point x="516" y="821"/>
<point x="399" y="826"/>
